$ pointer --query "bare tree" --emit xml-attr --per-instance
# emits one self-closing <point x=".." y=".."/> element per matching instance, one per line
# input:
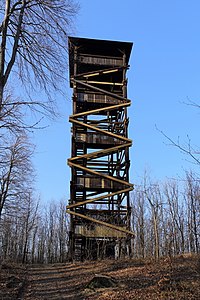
<point x="41" y="239"/>
<point x="139" y="222"/>
<point x="153" y="195"/>
<point x="13" y="116"/>
<point x="193" y="205"/>
<point x="63" y="231"/>
<point x="16" y="173"/>
<point x="33" y="56"/>
<point x="29" y="222"/>
<point x="33" y="44"/>
<point x="148" y="211"/>
<point x="18" y="231"/>
<point x="177" y="216"/>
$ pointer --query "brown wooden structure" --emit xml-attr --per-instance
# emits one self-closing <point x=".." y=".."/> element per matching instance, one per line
<point x="99" y="204"/>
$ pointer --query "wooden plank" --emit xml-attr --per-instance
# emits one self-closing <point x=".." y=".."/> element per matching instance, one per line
<point x="114" y="227"/>
<point x="107" y="212"/>
<point x="100" y="153"/>
<point x="98" y="198"/>
<point x="99" y="232"/>
<point x="96" y="111"/>
<point x="101" y="90"/>
<point x="101" y="71"/>
<point x="100" y="56"/>
<point x="105" y="83"/>
<point x="100" y="130"/>
<point x="99" y="174"/>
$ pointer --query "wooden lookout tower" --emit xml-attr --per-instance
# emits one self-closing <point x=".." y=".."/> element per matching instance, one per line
<point x="99" y="204"/>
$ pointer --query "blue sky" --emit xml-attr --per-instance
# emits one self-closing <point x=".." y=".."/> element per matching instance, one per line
<point x="164" y="73"/>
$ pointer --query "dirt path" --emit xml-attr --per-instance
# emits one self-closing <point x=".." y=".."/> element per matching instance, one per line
<point x="178" y="279"/>
<point x="61" y="281"/>
<point x="54" y="282"/>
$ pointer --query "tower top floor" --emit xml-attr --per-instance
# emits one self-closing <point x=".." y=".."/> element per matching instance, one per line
<point x="97" y="48"/>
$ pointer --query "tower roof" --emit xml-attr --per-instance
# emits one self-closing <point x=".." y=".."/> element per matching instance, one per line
<point x="98" y="47"/>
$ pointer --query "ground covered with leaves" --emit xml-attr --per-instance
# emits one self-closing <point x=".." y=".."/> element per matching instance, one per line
<point x="176" y="278"/>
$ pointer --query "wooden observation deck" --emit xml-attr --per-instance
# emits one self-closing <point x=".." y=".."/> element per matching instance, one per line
<point x="99" y="204"/>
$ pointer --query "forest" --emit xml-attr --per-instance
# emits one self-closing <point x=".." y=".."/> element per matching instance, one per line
<point x="165" y="215"/>
<point x="34" y="237"/>
<point x="165" y="219"/>
<point x="31" y="70"/>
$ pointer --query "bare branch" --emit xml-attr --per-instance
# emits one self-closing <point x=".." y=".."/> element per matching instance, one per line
<point x="34" y="43"/>
<point x="188" y="149"/>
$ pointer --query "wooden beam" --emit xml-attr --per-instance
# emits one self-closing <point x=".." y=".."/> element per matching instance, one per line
<point x="99" y="174"/>
<point x="100" y="130"/>
<point x="105" y="83"/>
<point x="100" y="153"/>
<point x="98" y="198"/>
<point x="96" y="111"/>
<point x="101" y="71"/>
<point x="114" y="227"/>
<point x="101" y="90"/>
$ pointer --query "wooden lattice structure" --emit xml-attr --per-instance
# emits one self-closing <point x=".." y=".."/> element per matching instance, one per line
<point x="99" y="204"/>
